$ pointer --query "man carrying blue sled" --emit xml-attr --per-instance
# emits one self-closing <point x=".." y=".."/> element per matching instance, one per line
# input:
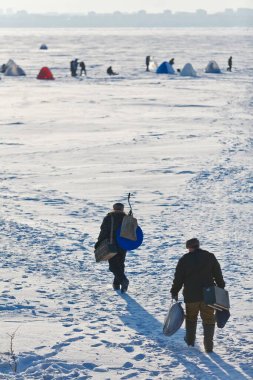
<point x="196" y="270"/>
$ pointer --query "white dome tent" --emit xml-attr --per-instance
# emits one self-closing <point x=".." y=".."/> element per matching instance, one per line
<point x="13" y="70"/>
<point x="10" y="63"/>
<point x="188" y="71"/>
<point x="212" y="68"/>
<point x="152" y="64"/>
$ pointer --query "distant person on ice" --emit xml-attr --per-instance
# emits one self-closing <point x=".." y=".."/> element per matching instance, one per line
<point x="116" y="263"/>
<point x="3" y="68"/>
<point x="110" y="71"/>
<point x="147" y="62"/>
<point x="229" y="64"/>
<point x="172" y="61"/>
<point x="83" y="68"/>
<point x="74" y="67"/>
<point x="195" y="270"/>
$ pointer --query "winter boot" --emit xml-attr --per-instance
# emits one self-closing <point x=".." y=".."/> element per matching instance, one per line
<point x="116" y="284"/>
<point x="208" y="337"/>
<point x="124" y="285"/>
<point x="190" y="334"/>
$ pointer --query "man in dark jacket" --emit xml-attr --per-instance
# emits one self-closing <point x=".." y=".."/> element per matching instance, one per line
<point x="116" y="263"/>
<point x="195" y="270"/>
<point x="110" y="71"/>
<point x="83" y="68"/>
<point x="147" y="62"/>
<point x="229" y="64"/>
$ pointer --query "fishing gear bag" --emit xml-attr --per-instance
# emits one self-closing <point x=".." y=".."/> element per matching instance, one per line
<point x="129" y="225"/>
<point x="216" y="297"/>
<point x="106" y="249"/>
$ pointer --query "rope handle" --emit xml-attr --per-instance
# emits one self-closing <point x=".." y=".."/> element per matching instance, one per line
<point x="128" y="198"/>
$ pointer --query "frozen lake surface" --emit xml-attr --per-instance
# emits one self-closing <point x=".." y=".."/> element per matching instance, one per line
<point x="70" y="148"/>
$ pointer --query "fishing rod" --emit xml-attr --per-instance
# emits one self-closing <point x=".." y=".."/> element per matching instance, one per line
<point x="128" y="198"/>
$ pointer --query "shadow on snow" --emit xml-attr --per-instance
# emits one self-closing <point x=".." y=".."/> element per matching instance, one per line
<point x="148" y="326"/>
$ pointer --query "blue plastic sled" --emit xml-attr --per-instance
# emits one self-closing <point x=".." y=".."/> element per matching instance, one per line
<point x="174" y="319"/>
<point x="127" y="244"/>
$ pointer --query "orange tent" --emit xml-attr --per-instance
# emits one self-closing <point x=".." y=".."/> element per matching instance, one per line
<point x="46" y="74"/>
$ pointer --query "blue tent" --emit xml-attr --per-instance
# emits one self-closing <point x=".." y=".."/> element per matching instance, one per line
<point x="43" y="47"/>
<point x="165" y="68"/>
<point x="212" y="68"/>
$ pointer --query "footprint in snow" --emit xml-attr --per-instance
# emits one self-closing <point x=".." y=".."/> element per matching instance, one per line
<point x="128" y="365"/>
<point x="185" y="172"/>
<point x="75" y="338"/>
<point x="129" y="349"/>
<point x="154" y="373"/>
<point x="40" y="347"/>
<point x="89" y="365"/>
<point x="60" y="345"/>
<point x="139" y="357"/>
<point x="130" y="376"/>
<point x="50" y="296"/>
<point x="69" y="319"/>
<point x="101" y="369"/>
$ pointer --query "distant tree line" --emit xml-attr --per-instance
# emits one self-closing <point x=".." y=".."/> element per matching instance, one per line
<point x="242" y="17"/>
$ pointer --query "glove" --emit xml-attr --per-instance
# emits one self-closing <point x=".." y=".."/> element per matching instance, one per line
<point x="175" y="297"/>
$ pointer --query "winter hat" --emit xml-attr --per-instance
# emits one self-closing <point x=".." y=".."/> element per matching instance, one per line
<point x="192" y="243"/>
<point x="118" y="207"/>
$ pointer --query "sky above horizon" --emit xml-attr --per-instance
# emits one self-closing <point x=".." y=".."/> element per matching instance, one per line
<point x="109" y="6"/>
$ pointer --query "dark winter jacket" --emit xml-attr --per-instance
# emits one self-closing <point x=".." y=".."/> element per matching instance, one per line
<point x="194" y="271"/>
<point x="106" y="228"/>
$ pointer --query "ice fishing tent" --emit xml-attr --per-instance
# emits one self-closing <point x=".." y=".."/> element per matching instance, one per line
<point x="212" y="68"/>
<point x="152" y="64"/>
<point x="13" y="70"/>
<point x="165" y="68"/>
<point x="188" y="71"/>
<point x="10" y="62"/>
<point x="43" y="47"/>
<point x="45" y="74"/>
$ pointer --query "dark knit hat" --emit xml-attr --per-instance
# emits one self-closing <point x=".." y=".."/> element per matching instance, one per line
<point x="118" y="207"/>
<point x="192" y="243"/>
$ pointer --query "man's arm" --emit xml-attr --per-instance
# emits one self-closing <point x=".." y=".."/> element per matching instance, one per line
<point x="104" y="230"/>
<point x="178" y="281"/>
<point x="217" y="274"/>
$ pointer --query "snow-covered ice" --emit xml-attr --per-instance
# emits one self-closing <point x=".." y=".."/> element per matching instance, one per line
<point x="72" y="147"/>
